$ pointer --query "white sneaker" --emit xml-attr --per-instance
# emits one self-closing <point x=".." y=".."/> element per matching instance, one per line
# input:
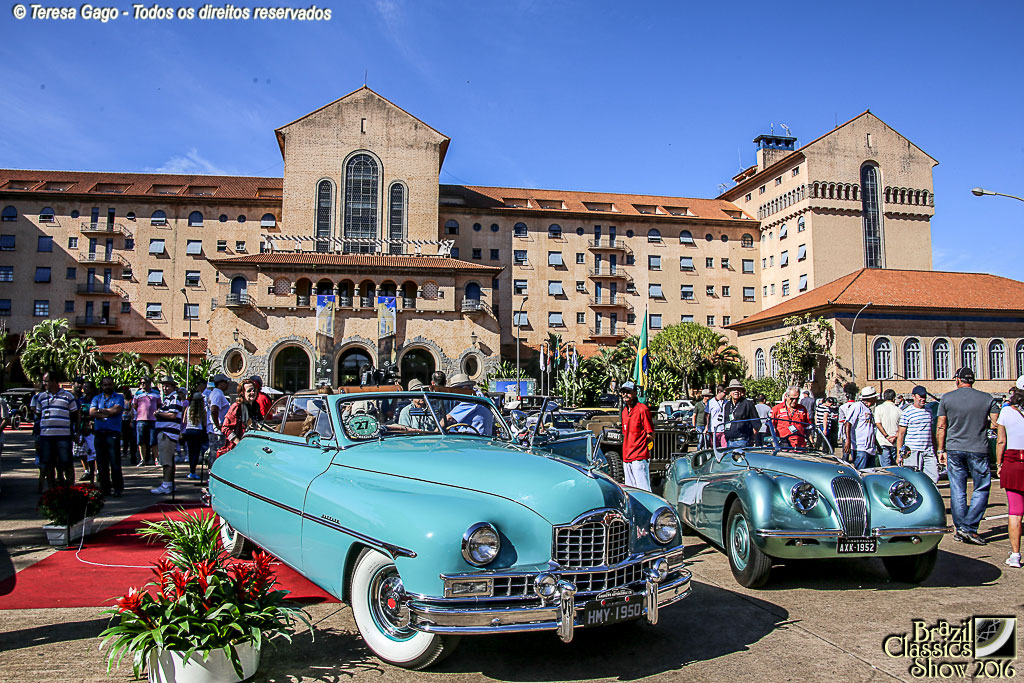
<point x="1013" y="560"/>
<point x="165" y="487"/>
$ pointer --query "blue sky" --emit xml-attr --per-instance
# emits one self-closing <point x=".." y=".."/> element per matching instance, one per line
<point x="646" y="97"/>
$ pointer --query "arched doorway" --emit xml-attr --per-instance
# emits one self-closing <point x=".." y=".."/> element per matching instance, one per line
<point x="291" y="370"/>
<point x="473" y="291"/>
<point x="351" y="364"/>
<point x="239" y="287"/>
<point x="416" y="364"/>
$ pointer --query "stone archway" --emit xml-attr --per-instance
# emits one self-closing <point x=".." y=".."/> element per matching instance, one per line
<point x="351" y="363"/>
<point x="291" y="369"/>
<point x="416" y="363"/>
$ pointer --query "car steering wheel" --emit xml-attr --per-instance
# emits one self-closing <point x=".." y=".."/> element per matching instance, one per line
<point x="465" y="424"/>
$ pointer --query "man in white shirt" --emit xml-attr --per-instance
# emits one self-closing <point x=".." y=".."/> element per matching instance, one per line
<point x="915" y="434"/>
<point x="716" y="418"/>
<point x="887" y="420"/>
<point x="859" y="428"/>
<point x="218" y="406"/>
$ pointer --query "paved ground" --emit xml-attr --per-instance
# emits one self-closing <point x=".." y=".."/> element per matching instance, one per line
<point x="814" y="621"/>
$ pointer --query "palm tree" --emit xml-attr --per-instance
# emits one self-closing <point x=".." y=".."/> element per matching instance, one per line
<point x="81" y="357"/>
<point x="45" y="348"/>
<point x="717" y="358"/>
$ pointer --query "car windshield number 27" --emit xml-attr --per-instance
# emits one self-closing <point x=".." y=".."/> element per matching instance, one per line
<point x="857" y="545"/>
<point x="600" y="612"/>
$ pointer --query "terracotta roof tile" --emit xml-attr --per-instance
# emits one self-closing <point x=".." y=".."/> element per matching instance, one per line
<point x="142" y="184"/>
<point x="161" y="347"/>
<point x="494" y="198"/>
<point x="380" y="261"/>
<point x="904" y="289"/>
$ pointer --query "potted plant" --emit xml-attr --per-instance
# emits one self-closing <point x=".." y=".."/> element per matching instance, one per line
<point x="70" y="511"/>
<point x="202" y="619"/>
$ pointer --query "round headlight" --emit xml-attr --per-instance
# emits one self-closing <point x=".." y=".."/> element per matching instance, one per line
<point x="480" y="544"/>
<point x="803" y="496"/>
<point x="903" y="494"/>
<point x="664" y="525"/>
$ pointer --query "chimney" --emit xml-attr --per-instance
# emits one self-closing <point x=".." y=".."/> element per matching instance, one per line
<point x="771" y="148"/>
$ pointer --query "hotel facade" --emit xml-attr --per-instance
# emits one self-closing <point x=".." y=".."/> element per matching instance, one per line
<point x="144" y="261"/>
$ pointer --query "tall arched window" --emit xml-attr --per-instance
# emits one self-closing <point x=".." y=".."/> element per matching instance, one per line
<point x="773" y="363"/>
<point x="997" y="359"/>
<point x="969" y="355"/>
<point x="396" y="217"/>
<point x="912" y="359"/>
<point x="883" y="358"/>
<point x="759" y="368"/>
<point x="872" y="216"/>
<point x="940" y="359"/>
<point x="361" y="175"/>
<point x="324" y="214"/>
<point x="747" y="240"/>
<point x="1019" y="352"/>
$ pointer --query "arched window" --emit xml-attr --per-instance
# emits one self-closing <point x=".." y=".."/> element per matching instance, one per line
<point x="747" y="240"/>
<point x="654" y="235"/>
<point x="773" y="363"/>
<point x="46" y="215"/>
<point x="883" y="358"/>
<point x="940" y="359"/>
<point x="195" y="219"/>
<point x="361" y="174"/>
<point x="872" y="216"/>
<point x="268" y="221"/>
<point x="912" y="359"/>
<point x="158" y="218"/>
<point x="969" y="355"/>
<point x="324" y="214"/>
<point x="473" y="291"/>
<point x="396" y="217"/>
<point x="685" y="237"/>
<point x="10" y="214"/>
<point x="801" y="224"/>
<point x="519" y="230"/>
<point x="997" y="359"/>
<point x="555" y="231"/>
<point x="759" y="368"/>
<point x="1020" y="358"/>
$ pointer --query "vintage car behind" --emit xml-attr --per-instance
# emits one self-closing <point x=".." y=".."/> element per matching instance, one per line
<point x="433" y="532"/>
<point x="671" y="438"/>
<point x="778" y="502"/>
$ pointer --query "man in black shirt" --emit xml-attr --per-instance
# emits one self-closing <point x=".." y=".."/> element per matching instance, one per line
<point x="741" y="418"/>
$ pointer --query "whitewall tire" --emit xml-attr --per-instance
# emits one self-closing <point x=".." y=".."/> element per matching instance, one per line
<point x="374" y="586"/>
<point x="234" y="544"/>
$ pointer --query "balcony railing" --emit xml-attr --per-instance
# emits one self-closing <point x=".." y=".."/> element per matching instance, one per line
<point x="609" y="243"/>
<point x="89" y="228"/>
<point x="95" y="321"/>
<point x="101" y="257"/>
<point x="607" y="271"/>
<point x="366" y="301"/>
<point x="617" y="301"/>
<point x="607" y="331"/>
<point x="100" y="289"/>
<point x="473" y="306"/>
<point x="345" y="302"/>
<point x="238" y="300"/>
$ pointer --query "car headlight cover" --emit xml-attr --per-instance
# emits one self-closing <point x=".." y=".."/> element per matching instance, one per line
<point x="903" y="494"/>
<point x="480" y="544"/>
<point x="664" y="525"/>
<point x="803" y="496"/>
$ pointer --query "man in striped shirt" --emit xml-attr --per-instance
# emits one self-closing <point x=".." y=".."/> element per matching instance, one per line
<point x="56" y="410"/>
<point x="168" y="432"/>
<point x="915" y="433"/>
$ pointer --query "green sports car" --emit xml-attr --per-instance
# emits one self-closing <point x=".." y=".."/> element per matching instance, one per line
<point x="780" y="502"/>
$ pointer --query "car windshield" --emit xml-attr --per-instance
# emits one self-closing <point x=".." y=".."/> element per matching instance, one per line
<point x="780" y="434"/>
<point x="377" y="416"/>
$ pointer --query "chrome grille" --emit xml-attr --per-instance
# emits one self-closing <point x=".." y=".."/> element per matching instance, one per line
<point x="513" y="586"/>
<point x="853" y="510"/>
<point x="585" y="582"/>
<point x="598" y="540"/>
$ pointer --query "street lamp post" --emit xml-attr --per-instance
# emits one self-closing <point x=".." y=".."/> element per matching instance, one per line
<point x="980" y="192"/>
<point x="188" y="345"/>
<point x="519" y="325"/>
<point x="853" y="357"/>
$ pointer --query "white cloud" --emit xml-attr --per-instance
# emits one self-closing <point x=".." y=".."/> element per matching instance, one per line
<point x="189" y="163"/>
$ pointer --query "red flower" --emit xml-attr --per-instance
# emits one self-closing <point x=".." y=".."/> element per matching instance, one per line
<point x="131" y="602"/>
<point x="203" y="571"/>
<point x="179" y="580"/>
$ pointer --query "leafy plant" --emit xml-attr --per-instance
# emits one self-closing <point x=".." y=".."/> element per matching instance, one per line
<point x="190" y="540"/>
<point x="700" y="356"/>
<point x="45" y="346"/>
<point x="69" y="505"/>
<point x="806" y="348"/>
<point x="771" y="387"/>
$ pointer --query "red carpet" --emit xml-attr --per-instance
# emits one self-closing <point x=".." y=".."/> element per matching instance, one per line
<point x="61" y="580"/>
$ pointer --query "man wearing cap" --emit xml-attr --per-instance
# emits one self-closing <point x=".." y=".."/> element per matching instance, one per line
<point x="887" y="422"/>
<point x="637" y="438"/>
<point x="168" y="432"/>
<point x="915" y="435"/>
<point x="740" y="417"/>
<point x="965" y="416"/>
<point x="262" y="400"/>
<point x="791" y="420"/>
<point x="859" y="430"/>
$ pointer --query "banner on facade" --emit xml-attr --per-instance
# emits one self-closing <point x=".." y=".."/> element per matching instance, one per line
<point x="387" y="315"/>
<point x="325" y="315"/>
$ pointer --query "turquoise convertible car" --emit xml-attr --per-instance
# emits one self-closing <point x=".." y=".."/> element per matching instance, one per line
<point x="785" y="502"/>
<point x="422" y="513"/>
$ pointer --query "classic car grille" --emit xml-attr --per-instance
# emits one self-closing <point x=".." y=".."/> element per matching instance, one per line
<point x="592" y="544"/>
<point x="586" y="582"/>
<point x="853" y="511"/>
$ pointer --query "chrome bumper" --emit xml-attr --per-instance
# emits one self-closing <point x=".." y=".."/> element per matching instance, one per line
<point x="559" y="615"/>
<point x="877" y="532"/>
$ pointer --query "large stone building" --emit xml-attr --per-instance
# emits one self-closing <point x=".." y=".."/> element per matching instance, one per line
<point x="238" y="262"/>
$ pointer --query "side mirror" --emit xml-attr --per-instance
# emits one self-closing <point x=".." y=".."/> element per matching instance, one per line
<point x="313" y="439"/>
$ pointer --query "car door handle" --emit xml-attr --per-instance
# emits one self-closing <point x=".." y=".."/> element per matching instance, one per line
<point x="268" y="449"/>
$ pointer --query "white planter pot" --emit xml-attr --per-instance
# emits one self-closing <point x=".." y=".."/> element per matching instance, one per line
<point x="171" y="667"/>
<point x="58" y="535"/>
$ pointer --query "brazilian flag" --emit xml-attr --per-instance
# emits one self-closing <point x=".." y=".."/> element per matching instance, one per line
<point x="643" y="362"/>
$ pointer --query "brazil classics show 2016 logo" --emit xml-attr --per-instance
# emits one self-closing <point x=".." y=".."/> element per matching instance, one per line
<point x="976" y="647"/>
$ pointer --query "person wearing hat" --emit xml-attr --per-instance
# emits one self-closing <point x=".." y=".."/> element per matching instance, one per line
<point x="859" y="429"/>
<point x="965" y="416"/>
<point x="914" y="447"/>
<point x="168" y="432"/>
<point x="1010" y="464"/>
<point x="262" y="400"/>
<point x="887" y="422"/>
<point x="472" y="413"/>
<point x="791" y="420"/>
<point x="637" y="438"/>
<point x="145" y="403"/>
<point x="740" y="417"/>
